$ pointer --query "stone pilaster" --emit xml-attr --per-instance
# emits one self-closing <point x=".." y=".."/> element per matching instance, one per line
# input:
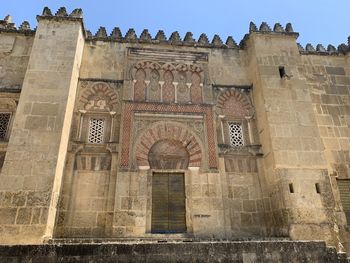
<point x="294" y="161"/>
<point x="33" y="169"/>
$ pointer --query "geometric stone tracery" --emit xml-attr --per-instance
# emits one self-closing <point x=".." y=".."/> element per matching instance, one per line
<point x="4" y="124"/>
<point x="236" y="134"/>
<point x="96" y="130"/>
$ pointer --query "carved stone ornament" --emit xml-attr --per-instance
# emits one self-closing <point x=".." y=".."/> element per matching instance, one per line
<point x="99" y="97"/>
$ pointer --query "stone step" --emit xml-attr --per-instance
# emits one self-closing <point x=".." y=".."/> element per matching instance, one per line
<point x="205" y="251"/>
<point x="157" y="238"/>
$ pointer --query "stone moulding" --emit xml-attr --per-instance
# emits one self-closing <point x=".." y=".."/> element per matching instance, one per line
<point x="118" y="81"/>
<point x="129" y="108"/>
<point x="168" y="55"/>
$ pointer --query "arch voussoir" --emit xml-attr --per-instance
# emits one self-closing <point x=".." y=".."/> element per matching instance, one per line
<point x="168" y="131"/>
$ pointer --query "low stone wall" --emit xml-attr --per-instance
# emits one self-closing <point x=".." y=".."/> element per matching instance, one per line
<point x="245" y="251"/>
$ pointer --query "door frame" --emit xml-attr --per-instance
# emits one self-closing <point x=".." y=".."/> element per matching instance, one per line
<point x="188" y="200"/>
<point x="183" y="204"/>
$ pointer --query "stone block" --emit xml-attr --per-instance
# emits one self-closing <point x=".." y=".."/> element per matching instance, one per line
<point x="19" y="199"/>
<point x="249" y="206"/>
<point x="36" y="123"/>
<point x="335" y="70"/>
<point x="329" y="99"/>
<point x="38" y="198"/>
<point x="269" y="71"/>
<point x="5" y="199"/>
<point x="45" y="109"/>
<point x="246" y="219"/>
<point x="24" y="216"/>
<point x="36" y="216"/>
<point x="240" y="192"/>
<point x="8" y="216"/>
<point x="126" y="203"/>
<point x="342" y="80"/>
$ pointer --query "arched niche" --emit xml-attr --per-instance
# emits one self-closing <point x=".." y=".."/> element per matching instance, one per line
<point x="168" y="154"/>
<point x="168" y="131"/>
<point x="233" y="103"/>
<point x="99" y="97"/>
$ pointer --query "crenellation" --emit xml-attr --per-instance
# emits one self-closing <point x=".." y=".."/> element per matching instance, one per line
<point x="88" y="34"/>
<point x="278" y="28"/>
<point x="252" y="27"/>
<point x="264" y="27"/>
<point x="25" y="26"/>
<point x="343" y="48"/>
<point x="243" y="42"/>
<point x="46" y="11"/>
<point x="7" y="23"/>
<point x="320" y="48"/>
<point x="61" y="12"/>
<point x="77" y="13"/>
<point x="217" y="42"/>
<point x="145" y="36"/>
<point x="231" y="43"/>
<point x="331" y="49"/>
<point x="175" y="38"/>
<point x="131" y="35"/>
<point x="160" y="36"/>
<point x="116" y="33"/>
<point x="300" y="47"/>
<point x="289" y="28"/>
<point x="203" y="40"/>
<point x="101" y="33"/>
<point x="188" y="39"/>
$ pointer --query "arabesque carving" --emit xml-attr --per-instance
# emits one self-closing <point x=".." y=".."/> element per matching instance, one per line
<point x="99" y="97"/>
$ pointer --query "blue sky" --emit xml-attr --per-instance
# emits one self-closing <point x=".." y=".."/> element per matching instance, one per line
<point x="325" y="22"/>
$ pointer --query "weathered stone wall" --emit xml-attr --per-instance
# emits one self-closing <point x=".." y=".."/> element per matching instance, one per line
<point x="293" y="151"/>
<point x="15" y="50"/>
<point x="37" y="148"/>
<point x="328" y="80"/>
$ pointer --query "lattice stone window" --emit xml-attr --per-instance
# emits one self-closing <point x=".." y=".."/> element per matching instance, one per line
<point x="236" y="134"/>
<point x="4" y="125"/>
<point x="96" y="130"/>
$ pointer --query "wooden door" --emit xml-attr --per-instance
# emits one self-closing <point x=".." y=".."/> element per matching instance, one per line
<point x="344" y="190"/>
<point x="168" y="203"/>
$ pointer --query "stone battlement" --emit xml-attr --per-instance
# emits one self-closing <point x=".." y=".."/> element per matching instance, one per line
<point x="130" y="36"/>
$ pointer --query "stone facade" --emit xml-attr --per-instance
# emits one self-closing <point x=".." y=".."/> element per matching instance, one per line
<point x="259" y="132"/>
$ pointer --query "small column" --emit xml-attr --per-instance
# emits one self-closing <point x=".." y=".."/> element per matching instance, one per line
<point x="112" y="113"/>
<point x="81" y="118"/>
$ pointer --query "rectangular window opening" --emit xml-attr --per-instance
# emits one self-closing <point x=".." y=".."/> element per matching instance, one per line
<point x="96" y="130"/>
<point x="318" y="189"/>
<point x="236" y="134"/>
<point x="282" y="71"/>
<point x="4" y="125"/>
<point x="291" y="188"/>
